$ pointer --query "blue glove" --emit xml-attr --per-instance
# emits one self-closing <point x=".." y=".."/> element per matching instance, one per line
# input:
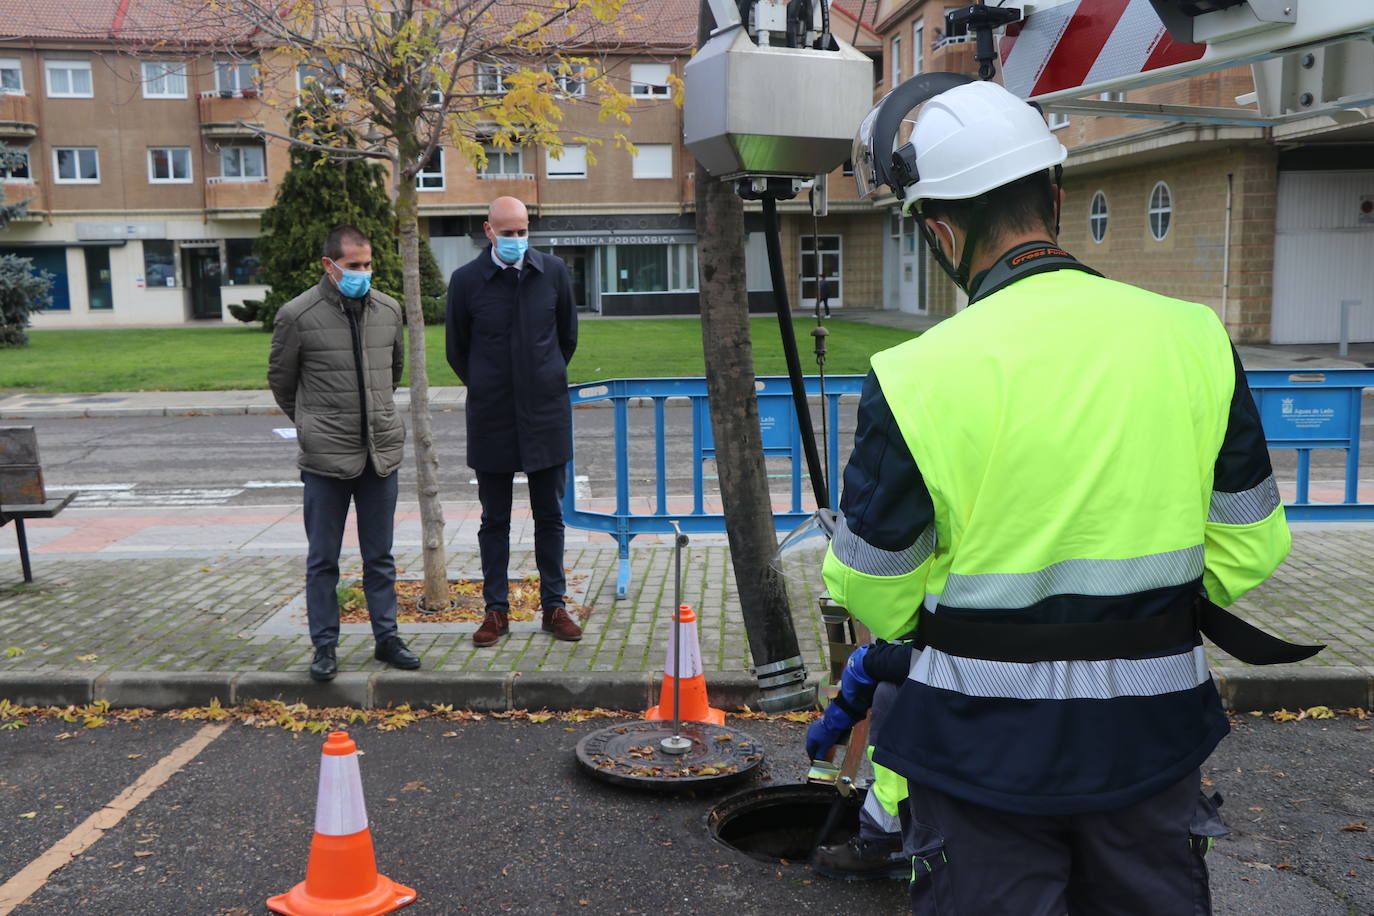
<point x="856" y="694"/>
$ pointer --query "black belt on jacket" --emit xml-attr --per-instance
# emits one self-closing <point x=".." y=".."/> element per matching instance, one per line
<point x="1162" y="633"/>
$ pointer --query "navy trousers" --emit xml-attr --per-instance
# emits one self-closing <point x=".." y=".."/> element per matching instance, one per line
<point x="1142" y="860"/>
<point x="493" y="535"/>
<point x="326" y="511"/>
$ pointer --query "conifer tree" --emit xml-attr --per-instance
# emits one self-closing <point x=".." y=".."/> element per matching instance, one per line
<point x="318" y="193"/>
<point x="22" y="292"/>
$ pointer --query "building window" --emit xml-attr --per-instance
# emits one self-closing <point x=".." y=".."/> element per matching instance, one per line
<point x="17" y="166"/>
<point x="169" y="165"/>
<point x="242" y="163"/>
<point x="918" y="43"/>
<point x="244" y="266"/>
<point x="11" y="76"/>
<point x="325" y="77"/>
<point x="648" y="268"/>
<point x="159" y="263"/>
<point x="502" y="163"/>
<point x="650" y="81"/>
<point x="491" y="79"/>
<point x="1161" y="210"/>
<point x="1097" y="217"/>
<point x="1058" y="119"/>
<point x="653" y="160"/>
<point x="235" y="75"/>
<point x="570" y="162"/>
<point x="69" y="79"/>
<point x="568" y="78"/>
<point x="431" y="174"/>
<point x="896" y="60"/>
<point x="164" y="79"/>
<point x="76" y="165"/>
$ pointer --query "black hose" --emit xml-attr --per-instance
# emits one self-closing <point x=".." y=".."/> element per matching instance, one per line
<point x="772" y="234"/>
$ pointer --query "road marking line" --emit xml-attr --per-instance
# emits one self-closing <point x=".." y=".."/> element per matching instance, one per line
<point x="33" y="876"/>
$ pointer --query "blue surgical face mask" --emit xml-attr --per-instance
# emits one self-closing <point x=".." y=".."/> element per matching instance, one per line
<point x="511" y="249"/>
<point x="353" y="283"/>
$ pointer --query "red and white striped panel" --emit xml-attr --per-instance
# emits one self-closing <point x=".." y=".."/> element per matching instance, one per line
<point x="1076" y="43"/>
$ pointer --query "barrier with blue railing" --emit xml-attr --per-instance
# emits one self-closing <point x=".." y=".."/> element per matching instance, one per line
<point x="1302" y="410"/>
<point x="1315" y="409"/>
<point x="781" y="439"/>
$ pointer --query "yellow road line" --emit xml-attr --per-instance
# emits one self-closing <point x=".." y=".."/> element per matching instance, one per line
<point x="34" y="875"/>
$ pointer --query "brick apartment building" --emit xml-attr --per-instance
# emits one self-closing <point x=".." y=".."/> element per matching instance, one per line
<point x="1269" y="226"/>
<point x="147" y="179"/>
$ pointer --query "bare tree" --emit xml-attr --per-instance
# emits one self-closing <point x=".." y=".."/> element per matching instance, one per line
<point x="416" y="76"/>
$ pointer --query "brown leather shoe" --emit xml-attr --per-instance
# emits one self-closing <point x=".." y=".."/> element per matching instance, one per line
<point x="495" y="625"/>
<point x="557" y="622"/>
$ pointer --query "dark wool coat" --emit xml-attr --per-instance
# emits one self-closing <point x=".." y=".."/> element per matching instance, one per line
<point x="510" y="337"/>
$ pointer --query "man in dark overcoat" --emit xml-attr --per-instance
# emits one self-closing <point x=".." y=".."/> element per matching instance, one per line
<point x="512" y="328"/>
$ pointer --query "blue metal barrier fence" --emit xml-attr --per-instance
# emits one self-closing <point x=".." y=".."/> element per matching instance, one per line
<point x="1302" y="410"/>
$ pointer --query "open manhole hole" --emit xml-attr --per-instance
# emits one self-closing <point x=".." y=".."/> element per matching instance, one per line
<point x="780" y="823"/>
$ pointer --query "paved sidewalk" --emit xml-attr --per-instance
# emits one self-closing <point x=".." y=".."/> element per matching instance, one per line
<point x="167" y="607"/>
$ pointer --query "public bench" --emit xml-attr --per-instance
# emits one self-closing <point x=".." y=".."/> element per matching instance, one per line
<point x="21" y="487"/>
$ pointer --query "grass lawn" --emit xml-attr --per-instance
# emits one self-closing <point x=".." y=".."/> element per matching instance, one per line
<point x="198" y="359"/>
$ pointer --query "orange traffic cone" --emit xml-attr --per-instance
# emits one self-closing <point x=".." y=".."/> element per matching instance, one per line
<point x="692" y="703"/>
<point x="341" y="879"/>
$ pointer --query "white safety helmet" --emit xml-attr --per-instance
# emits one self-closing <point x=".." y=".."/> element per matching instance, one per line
<point x="971" y="139"/>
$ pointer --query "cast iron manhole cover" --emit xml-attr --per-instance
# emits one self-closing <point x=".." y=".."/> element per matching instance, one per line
<point x="630" y="755"/>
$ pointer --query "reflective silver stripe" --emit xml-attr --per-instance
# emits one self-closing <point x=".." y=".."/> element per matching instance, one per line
<point x="861" y="556"/>
<point x="1074" y="577"/>
<point x="874" y="810"/>
<point x="1246" y="507"/>
<point x="1065" y="680"/>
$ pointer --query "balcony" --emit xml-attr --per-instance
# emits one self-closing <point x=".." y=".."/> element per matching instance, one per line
<point x="237" y="196"/>
<point x="230" y="115"/>
<point x="17" y="116"/>
<point x="954" y="55"/>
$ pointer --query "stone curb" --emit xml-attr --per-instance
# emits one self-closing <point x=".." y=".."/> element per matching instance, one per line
<point x="1242" y="689"/>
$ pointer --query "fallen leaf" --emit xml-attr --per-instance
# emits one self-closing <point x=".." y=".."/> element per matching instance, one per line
<point x="447" y="734"/>
<point x="136" y="756"/>
<point x="538" y="717"/>
<point x="1256" y="808"/>
<point x="1357" y="827"/>
<point x="119" y="865"/>
<point x="87" y="658"/>
<point x="1283" y="865"/>
<point x="413" y="786"/>
<point x="31" y="815"/>
<point x="1260" y="865"/>
<point x="144" y="852"/>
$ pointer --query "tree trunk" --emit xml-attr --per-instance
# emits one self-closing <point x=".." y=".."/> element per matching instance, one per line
<point x="436" y="596"/>
<point x="738" y="439"/>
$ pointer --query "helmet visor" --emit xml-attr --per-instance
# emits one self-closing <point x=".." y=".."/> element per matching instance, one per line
<point x="862" y="156"/>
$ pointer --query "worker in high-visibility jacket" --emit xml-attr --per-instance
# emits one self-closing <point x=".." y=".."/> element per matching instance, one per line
<point x="1045" y="489"/>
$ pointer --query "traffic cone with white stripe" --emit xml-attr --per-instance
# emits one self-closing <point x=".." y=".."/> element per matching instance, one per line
<point x="692" y="703"/>
<point x="342" y="878"/>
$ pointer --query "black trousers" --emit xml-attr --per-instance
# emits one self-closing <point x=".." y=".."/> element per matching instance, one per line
<point x="1142" y="860"/>
<point x="493" y="535"/>
<point x="326" y="511"/>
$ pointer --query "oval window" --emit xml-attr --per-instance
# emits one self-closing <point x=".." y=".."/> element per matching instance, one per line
<point x="1097" y="217"/>
<point x="1161" y="210"/>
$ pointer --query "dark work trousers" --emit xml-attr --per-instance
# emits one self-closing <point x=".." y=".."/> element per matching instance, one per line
<point x="326" y="511"/>
<point x="1141" y="860"/>
<point x="493" y="535"/>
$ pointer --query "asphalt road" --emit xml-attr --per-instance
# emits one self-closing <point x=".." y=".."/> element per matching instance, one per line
<point x="493" y="817"/>
<point x="239" y="461"/>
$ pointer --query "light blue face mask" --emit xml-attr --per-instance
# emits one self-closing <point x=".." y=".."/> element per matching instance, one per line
<point x="353" y="283"/>
<point x="511" y="249"/>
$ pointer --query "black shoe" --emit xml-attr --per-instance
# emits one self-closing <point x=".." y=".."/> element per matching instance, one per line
<point x="324" y="666"/>
<point x="861" y="860"/>
<point x="393" y="651"/>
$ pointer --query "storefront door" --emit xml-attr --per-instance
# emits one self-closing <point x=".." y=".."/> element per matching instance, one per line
<point x="202" y="272"/>
<point x="578" y="259"/>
